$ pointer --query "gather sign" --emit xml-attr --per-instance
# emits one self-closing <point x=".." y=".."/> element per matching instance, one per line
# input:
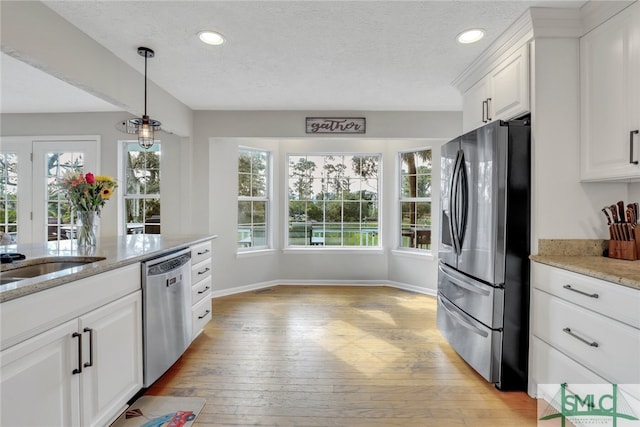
<point x="336" y="125"/>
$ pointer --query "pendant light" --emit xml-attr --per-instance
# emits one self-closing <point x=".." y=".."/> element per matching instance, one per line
<point x="144" y="127"/>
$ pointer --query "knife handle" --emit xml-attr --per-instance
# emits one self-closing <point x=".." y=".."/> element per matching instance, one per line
<point x="614" y="212"/>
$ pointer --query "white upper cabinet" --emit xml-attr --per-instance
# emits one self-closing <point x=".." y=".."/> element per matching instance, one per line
<point x="610" y="104"/>
<point x="501" y="94"/>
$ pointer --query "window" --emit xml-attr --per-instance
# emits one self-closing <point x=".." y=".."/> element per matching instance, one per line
<point x="8" y="197"/>
<point x="333" y="200"/>
<point x="32" y="209"/>
<point x="142" y="188"/>
<point x="415" y="199"/>
<point x="253" y="198"/>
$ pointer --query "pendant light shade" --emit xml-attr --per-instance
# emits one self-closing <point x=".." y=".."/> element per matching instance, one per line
<point x="144" y="127"/>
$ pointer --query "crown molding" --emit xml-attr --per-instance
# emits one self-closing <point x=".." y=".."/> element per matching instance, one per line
<point x="539" y="22"/>
<point x="595" y="13"/>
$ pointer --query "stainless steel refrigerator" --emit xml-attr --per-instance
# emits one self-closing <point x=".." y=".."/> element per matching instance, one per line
<point x="483" y="277"/>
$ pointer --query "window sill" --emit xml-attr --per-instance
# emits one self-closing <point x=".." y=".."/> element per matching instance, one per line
<point x="255" y="252"/>
<point x="428" y="255"/>
<point x="333" y="251"/>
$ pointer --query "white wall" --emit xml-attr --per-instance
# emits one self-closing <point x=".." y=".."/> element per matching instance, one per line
<point x="175" y="155"/>
<point x="216" y="138"/>
<point x="563" y="207"/>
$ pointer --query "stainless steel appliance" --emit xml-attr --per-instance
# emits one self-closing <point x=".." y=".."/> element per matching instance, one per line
<point x="483" y="277"/>
<point x="167" y="322"/>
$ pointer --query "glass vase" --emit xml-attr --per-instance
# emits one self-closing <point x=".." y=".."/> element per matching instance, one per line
<point x="87" y="231"/>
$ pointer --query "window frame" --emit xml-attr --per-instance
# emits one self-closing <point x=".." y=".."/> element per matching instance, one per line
<point x="267" y="199"/>
<point x="335" y="248"/>
<point x="123" y="195"/>
<point x="32" y="216"/>
<point x="402" y="199"/>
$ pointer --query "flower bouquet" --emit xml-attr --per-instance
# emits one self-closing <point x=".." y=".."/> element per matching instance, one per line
<point x="87" y="194"/>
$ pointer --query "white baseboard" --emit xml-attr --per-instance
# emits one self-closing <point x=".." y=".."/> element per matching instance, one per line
<point x="263" y="285"/>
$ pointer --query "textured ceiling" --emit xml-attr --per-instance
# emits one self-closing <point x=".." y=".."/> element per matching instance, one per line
<point x="299" y="55"/>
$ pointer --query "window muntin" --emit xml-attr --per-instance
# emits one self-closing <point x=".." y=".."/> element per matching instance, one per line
<point x="415" y="199"/>
<point x="333" y="200"/>
<point x="142" y="188"/>
<point x="253" y="198"/>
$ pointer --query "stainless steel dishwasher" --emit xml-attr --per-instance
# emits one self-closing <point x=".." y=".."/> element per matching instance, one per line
<point x="167" y="322"/>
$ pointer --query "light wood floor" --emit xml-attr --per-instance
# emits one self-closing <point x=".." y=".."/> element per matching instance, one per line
<point x="335" y="356"/>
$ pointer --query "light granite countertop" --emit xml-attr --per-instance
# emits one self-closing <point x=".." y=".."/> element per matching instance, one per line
<point x="116" y="251"/>
<point x="585" y="257"/>
<point x="625" y="273"/>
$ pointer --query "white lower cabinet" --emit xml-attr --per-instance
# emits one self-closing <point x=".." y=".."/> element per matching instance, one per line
<point x="201" y="286"/>
<point x="584" y="331"/>
<point x="80" y="373"/>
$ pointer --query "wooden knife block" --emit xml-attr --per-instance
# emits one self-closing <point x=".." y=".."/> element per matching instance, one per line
<point x="624" y="249"/>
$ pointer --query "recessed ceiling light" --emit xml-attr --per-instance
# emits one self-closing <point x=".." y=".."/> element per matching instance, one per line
<point x="211" y="37"/>
<point x="470" y="36"/>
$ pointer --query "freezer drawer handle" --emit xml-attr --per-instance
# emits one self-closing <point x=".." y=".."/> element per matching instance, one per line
<point x="460" y="282"/>
<point x="578" y="291"/>
<point x="579" y="338"/>
<point x="462" y="321"/>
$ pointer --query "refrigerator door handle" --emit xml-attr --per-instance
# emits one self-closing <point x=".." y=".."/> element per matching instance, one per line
<point x="453" y="204"/>
<point x="461" y="320"/>
<point x="459" y="280"/>
<point x="463" y="195"/>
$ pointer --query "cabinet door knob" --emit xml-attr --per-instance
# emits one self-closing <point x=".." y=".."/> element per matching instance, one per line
<point x="631" y="133"/>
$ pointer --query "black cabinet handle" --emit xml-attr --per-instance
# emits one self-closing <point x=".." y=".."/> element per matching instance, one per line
<point x="579" y="338"/>
<point x="488" y="109"/>
<point x="204" y="271"/>
<point x="86" y="365"/>
<point x="570" y="288"/>
<point x="485" y="107"/>
<point x="205" y="314"/>
<point x="631" y="133"/>
<point x="206" y="288"/>
<point x="206" y="251"/>
<point x="78" y="370"/>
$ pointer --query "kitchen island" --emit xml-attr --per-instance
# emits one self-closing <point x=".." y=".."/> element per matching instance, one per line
<point x="72" y="340"/>
<point x="116" y="251"/>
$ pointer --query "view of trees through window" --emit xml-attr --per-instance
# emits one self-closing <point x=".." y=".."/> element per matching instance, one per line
<point x="253" y="198"/>
<point x="8" y="196"/>
<point x="333" y="200"/>
<point x="142" y="189"/>
<point x="415" y="199"/>
<point x="60" y="215"/>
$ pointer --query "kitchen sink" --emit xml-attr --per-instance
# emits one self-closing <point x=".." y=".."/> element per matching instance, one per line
<point x="45" y="266"/>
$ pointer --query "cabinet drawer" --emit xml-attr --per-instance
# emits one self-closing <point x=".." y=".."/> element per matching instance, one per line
<point x="553" y="367"/>
<point x="615" y="301"/>
<point x="605" y="346"/>
<point x="200" y="290"/>
<point x="200" y="252"/>
<point x="200" y="271"/>
<point x="201" y="315"/>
